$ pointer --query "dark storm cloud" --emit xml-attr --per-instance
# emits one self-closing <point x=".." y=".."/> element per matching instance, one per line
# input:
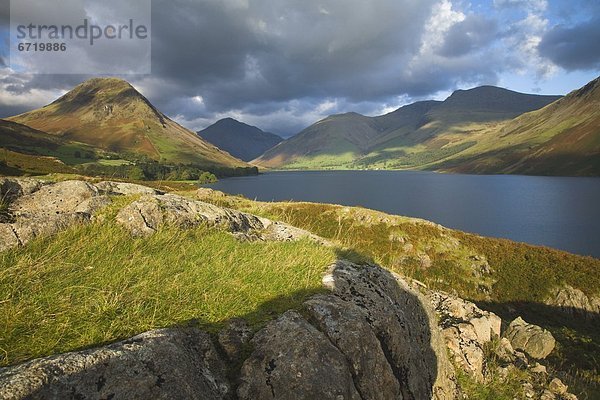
<point x="235" y="52"/>
<point x="473" y="33"/>
<point x="573" y="48"/>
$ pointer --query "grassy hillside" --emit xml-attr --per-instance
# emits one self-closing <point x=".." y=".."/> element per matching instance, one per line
<point x="329" y="142"/>
<point x="109" y="114"/>
<point x="562" y="138"/>
<point x="414" y="136"/>
<point x="238" y="139"/>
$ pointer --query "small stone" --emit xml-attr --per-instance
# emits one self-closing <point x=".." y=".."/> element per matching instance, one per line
<point x="505" y="352"/>
<point x="502" y="372"/>
<point x="547" y="395"/>
<point x="528" y="390"/>
<point x="538" y="368"/>
<point x="424" y="261"/>
<point x="521" y="360"/>
<point x="557" y="386"/>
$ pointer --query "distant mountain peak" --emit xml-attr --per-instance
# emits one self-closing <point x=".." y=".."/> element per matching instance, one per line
<point x="228" y="121"/>
<point x="495" y="99"/>
<point x="110" y="114"/>
<point x="239" y="139"/>
<point x="484" y="91"/>
<point x="90" y="89"/>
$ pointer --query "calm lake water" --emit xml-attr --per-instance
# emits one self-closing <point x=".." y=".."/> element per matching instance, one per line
<point x="553" y="211"/>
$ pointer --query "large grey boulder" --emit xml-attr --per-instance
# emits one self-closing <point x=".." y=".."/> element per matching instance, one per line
<point x="293" y="360"/>
<point x="149" y="213"/>
<point x="42" y="224"/>
<point x="61" y="197"/>
<point x="125" y="188"/>
<point x="532" y="339"/>
<point x="347" y="327"/>
<point x="405" y="325"/>
<point x="37" y="210"/>
<point x="161" y="364"/>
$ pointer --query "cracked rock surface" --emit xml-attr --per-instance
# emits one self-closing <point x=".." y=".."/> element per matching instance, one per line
<point x="145" y="216"/>
<point x="37" y="209"/>
<point x="161" y="364"/>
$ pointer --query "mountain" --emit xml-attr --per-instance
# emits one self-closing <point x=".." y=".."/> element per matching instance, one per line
<point x="412" y="136"/>
<point x="243" y="141"/>
<point x="562" y="138"/>
<point x="110" y="115"/>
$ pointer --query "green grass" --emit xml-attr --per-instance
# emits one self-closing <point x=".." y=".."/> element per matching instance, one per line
<point x="94" y="284"/>
<point x="345" y="154"/>
<point x="114" y="163"/>
<point x="19" y="164"/>
<point x="521" y="272"/>
<point x="410" y="157"/>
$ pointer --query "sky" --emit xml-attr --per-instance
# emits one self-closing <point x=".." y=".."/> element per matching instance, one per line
<point x="284" y="64"/>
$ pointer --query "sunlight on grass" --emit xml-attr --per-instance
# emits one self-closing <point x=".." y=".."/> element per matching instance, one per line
<point x="94" y="284"/>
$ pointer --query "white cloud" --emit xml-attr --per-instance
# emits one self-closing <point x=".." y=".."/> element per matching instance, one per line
<point x="443" y="17"/>
<point x="525" y="37"/>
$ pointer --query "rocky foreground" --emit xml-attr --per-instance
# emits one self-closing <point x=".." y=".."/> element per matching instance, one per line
<point x="373" y="335"/>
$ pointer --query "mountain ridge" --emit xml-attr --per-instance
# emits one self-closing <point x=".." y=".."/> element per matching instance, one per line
<point x="413" y="135"/>
<point x="562" y="138"/>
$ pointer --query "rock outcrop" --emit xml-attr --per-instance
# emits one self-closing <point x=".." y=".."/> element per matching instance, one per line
<point x="161" y="364"/>
<point x="312" y="368"/>
<point x="37" y="209"/>
<point x="144" y="216"/>
<point x="466" y="329"/>
<point x="125" y="188"/>
<point x="532" y="339"/>
<point x="574" y="303"/>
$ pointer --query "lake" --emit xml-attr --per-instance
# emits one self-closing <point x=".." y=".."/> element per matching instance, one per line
<point x="558" y="212"/>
